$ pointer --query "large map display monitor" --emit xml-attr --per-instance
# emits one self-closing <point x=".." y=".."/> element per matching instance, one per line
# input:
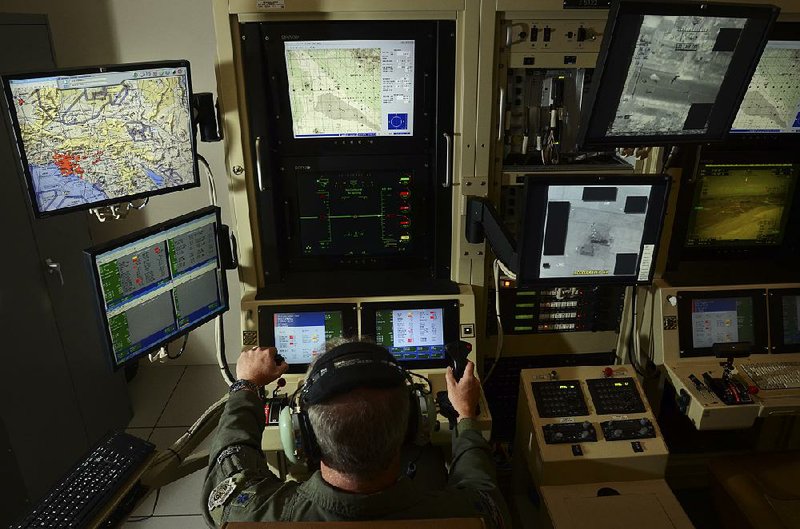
<point x="584" y="229"/>
<point x="351" y="87"/>
<point x="95" y="136"/>
<point x="673" y="72"/>
<point x="739" y="205"/>
<point x="159" y="284"/>
<point x="772" y="103"/>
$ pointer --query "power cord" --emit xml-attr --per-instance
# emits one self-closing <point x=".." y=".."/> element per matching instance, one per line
<point x="219" y="327"/>
<point x="183" y="347"/>
<point x="497" y="266"/>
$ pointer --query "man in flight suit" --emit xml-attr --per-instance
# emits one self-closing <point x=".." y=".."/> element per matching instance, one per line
<point x="360" y="433"/>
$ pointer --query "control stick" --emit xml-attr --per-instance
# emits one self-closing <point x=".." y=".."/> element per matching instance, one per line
<point x="456" y="354"/>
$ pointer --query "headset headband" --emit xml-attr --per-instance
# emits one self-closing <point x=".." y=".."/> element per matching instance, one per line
<point x="348" y="366"/>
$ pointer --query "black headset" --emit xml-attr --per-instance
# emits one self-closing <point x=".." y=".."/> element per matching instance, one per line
<point x="344" y="368"/>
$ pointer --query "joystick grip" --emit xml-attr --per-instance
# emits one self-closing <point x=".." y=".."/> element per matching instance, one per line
<point x="279" y="359"/>
<point x="456" y="354"/>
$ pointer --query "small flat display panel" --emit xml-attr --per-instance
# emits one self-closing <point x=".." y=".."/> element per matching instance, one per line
<point x="772" y="102"/>
<point x="579" y="231"/>
<point x="357" y="213"/>
<point x="673" y="72"/>
<point x="300" y="337"/>
<point x="721" y="320"/>
<point x="415" y="332"/>
<point x="791" y="319"/>
<point x="709" y="317"/>
<point x="159" y="285"/>
<point x="91" y="137"/>
<point x="300" y="332"/>
<point x="340" y="88"/>
<point x="784" y="320"/>
<point x="741" y="205"/>
<point x="412" y="334"/>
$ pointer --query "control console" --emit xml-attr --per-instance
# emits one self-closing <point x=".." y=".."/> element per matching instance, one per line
<point x="586" y="424"/>
<point x="569" y="432"/>
<point x="559" y="399"/>
<point x="623" y="430"/>
<point x="615" y="395"/>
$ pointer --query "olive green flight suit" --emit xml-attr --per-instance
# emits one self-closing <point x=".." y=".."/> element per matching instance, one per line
<point x="240" y="487"/>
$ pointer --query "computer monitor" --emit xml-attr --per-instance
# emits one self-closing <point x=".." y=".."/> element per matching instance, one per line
<point x="673" y="72"/>
<point x="300" y="332"/>
<point x="158" y="284"/>
<point x="360" y="213"/>
<point x="579" y="229"/>
<point x="415" y="332"/>
<point x="771" y="105"/>
<point x="784" y="319"/>
<point x="347" y="88"/>
<point x="90" y="137"/>
<point x="709" y="317"/>
<point x="741" y="205"/>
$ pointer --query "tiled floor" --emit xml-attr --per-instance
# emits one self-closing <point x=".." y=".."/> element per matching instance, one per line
<point x="166" y="400"/>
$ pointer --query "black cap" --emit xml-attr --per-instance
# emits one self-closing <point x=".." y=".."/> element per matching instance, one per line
<point x="349" y="366"/>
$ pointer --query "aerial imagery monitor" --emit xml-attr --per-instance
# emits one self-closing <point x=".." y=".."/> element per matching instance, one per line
<point x="159" y="284"/>
<point x="414" y="332"/>
<point x="89" y="137"/>
<point x="340" y="88"/>
<point x="709" y="317"/>
<point x="673" y="72"/>
<point x="590" y="229"/>
<point x="771" y="105"/>
<point x="300" y="332"/>
<point x="740" y="205"/>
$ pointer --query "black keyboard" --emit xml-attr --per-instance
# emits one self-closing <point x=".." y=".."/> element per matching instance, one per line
<point x="77" y="499"/>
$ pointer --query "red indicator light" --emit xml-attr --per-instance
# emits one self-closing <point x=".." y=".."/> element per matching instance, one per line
<point x="404" y="194"/>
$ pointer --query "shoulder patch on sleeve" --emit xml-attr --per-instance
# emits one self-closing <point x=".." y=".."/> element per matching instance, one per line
<point x="233" y="449"/>
<point x="493" y="510"/>
<point x="221" y="493"/>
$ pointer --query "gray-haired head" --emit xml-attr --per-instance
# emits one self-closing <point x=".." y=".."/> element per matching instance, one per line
<point x="360" y="432"/>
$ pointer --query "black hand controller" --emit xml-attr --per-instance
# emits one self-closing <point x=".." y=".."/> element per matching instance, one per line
<point x="456" y="354"/>
<point x="279" y="359"/>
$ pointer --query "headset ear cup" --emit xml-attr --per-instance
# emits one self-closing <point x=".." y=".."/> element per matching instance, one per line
<point x="291" y="436"/>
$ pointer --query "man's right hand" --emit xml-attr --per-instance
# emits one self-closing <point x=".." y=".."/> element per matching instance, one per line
<point x="464" y="394"/>
<point x="258" y="365"/>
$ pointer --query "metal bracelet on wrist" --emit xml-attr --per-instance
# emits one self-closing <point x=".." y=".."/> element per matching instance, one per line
<point x="242" y="384"/>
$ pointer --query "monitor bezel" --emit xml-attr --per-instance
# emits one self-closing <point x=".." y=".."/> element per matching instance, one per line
<point x="91" y="254"/>
<point x="685" y="298"/>
<point x="450" y="324"/>
<point x="609" y="79"/>
<point x="421" y="253"/>
<point x="781" y="31"/>
<point x="777" y="344"/>
<point x="266" y="329"/>
<point x="534" y="214"/>
<point x="11" y="117"/>
<point x="679" y="251"/>
<point x="426" y="41"/>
